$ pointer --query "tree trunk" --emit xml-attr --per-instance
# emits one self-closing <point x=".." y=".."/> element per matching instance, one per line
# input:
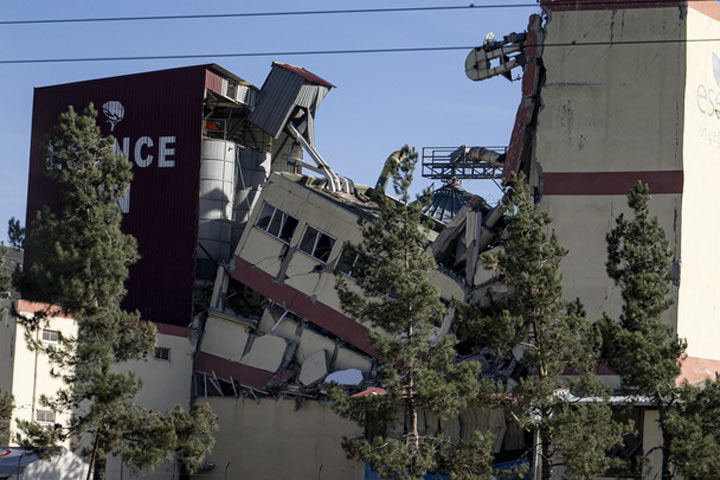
<point x="100" y="464"/>
<point x="666" y="473"/>
<point x="91" y="467"/>
<point x="546" y="461"/>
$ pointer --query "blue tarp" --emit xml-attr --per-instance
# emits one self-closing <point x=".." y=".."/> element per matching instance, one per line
<point x="371" y="474"/>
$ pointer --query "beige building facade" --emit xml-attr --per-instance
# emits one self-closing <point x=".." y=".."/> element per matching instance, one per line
<point x="26" y="374"/>
<point x="635" y="99"/>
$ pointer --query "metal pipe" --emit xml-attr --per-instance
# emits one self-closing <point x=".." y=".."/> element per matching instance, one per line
<point x="482" y="154"/>
<point x="388" y="169"/>
<point x="333" y="184"/>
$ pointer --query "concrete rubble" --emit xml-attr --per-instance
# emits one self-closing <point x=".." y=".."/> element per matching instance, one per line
<point x="275" y="328"/>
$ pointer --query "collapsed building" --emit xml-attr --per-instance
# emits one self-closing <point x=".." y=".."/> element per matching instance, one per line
<point x="240" y="249"/>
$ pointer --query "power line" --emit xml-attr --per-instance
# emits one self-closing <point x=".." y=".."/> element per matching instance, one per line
<point x="471" y="6"/>
<point x="258" y="14"/>
<point x="337" y="52"/>
<point x="231" y="55"/>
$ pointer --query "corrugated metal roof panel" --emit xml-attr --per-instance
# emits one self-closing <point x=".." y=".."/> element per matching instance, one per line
<point x="276" y="101"/>
<point x="283" y="90"/>
<point x="161" y="106"/>
<point x="304" y="73"/>
<point x="447" y="201"/>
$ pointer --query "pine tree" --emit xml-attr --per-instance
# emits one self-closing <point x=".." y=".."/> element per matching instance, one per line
<point x="16" y="233"/>
<point x="640" y="347"/>
<point x="393" y="294"/>
<point x="80" y="260"/>
<point x="552" y="337"/>
<point x="6" y="400"/>
<point x="6" y="409"/>
<point x="4" y="276"/>
<point x="694" y="426"/>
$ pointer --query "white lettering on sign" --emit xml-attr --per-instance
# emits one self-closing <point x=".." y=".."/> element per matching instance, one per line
<point x="124" y="150"/>
<point x="142" y="154"/>
<point x="140" y="159"/>
<point x="166" y="151"/>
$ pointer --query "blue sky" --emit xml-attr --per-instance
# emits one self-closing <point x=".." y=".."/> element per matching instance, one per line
<point x="382" y="102"/>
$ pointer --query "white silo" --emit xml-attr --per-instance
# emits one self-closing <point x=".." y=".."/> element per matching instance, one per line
<point x="217" y="192"/>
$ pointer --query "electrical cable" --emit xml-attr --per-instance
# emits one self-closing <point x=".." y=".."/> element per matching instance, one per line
<point x="339" y="52"/>
<point x="471" y="6"/>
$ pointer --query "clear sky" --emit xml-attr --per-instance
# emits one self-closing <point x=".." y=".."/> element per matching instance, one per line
<point x="383" y="101"/>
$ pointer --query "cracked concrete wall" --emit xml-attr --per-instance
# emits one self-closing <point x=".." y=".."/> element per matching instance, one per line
<point x="611" y="114"/>
<point x="299" y="270"/>
<point x="224" y="338"/>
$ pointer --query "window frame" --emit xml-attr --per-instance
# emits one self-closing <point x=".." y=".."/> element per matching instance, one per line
<point x="160" y="357"/>
<point x="349" y="274"/>
<point x="283" y="221"/>
<point x="45" y="414"/>
<point x="50" y="341"/>
<point x="315" y="244"/>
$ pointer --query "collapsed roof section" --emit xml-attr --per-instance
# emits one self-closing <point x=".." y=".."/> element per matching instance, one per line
<point x="446" y="202"/>
<point x="287" y="90"/>
<point x="275" y="325"/>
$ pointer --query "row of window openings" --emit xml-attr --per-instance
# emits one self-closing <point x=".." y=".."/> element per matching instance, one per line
<point x="279" y="224"/>
<point x="53" y="336"/>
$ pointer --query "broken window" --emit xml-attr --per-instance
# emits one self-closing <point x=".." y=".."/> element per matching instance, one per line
<point x="317" y="244"/>
<point x="347" y="261"/>
<point x="45" y="416"/>
<point x="162" y="353"/>
<point x="50" y="336"/>
<point x="277" y="223"/>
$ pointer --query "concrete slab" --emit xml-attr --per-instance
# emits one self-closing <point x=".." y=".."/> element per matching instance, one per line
<point x="224" y="338"/>
<point x="311" y="342"/>
<point x="266" y="353"/>
<point x="347" y="358"/>
<point x="314" y="368"/>
<point x="286" y="329"/>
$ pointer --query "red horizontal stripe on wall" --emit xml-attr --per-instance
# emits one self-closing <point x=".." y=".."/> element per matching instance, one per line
<point x="254" y="377"/>
<point x="565" y="5"/>
<point x="611" y="183"/>
<point x="296" y="301"/>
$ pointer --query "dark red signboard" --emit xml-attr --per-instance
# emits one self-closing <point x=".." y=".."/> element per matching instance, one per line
<point x="156" y="119"/>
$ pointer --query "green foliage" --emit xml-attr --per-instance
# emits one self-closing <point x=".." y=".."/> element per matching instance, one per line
<point x="4" y="277"/>
<point x="554" y="336"/>
<point x="79" y="259"/>
<point x="16" y="233"/>
<point x="393" y="293"/>
<point x="6" y="409"/>
<point x="158" y="437"/>
<point x="640" y="347"/>
<point x="694" y="426"/>
<point x="194" y="434"/>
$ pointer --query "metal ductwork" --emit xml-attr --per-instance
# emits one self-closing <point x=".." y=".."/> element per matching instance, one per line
<point x="388" y="169"/>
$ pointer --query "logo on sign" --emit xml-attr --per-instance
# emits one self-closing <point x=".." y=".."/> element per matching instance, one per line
<point x="115" y="112"/>
<point x="708" y="97"/>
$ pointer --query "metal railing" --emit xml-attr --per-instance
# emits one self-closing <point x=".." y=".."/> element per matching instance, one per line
<point x="450" y="163"/>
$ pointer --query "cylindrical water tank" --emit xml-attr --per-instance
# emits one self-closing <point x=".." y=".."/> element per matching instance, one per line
<point x="217" y="192"/>
<point x="253" y="171"/>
